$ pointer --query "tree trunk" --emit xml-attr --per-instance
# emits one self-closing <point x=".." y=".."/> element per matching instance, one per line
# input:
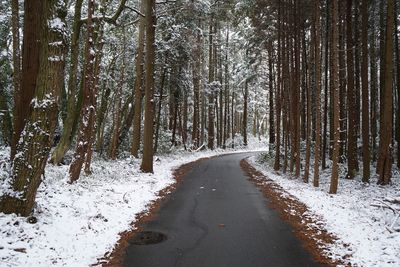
<point x="352" y="163"/>
<point x="245" y="112"/>
<point x="278" y="94"/>
<point x="99" y="33"/>
<point x="308" y="94"/>
<point x="317" y="43"/>
<point x="138" y="84"/>
<point x="385" y="151"/>
<point x="226" y="93"/>
<point x="16" y="75"/>
<point x="342" y="81"/>
<point x="158" y="121"/>
<point x="147" y="161"/>
<point x="357" y="84"/>
<point x="397" y="52"/>
<point x="85" y="130"/>
<point x="117" y="107"/>
<point x="73" y="105"/>
<point x="365" y="93"/>
<point x="196" y="92"/>
<point x="271" y="95"/>
<point x="30" y="160"/>
<point x="325" y="130"/>
<point x="336" y="107"/>
<point x="30" y="68"/>
<point x="211" y="104"/>
<point x="296" y="107"/>
<point x="374" y="83"/>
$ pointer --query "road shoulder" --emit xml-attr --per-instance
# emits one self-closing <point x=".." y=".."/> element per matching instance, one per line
<point x="306" y="226"/>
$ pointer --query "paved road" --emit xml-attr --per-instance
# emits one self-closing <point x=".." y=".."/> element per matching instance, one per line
<point x="218" y="218"/>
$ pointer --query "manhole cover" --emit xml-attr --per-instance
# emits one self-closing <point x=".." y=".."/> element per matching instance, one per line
<point x="147" y="238"/>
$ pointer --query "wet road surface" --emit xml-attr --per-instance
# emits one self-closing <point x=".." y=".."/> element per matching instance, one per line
<point x="218" y="218"/>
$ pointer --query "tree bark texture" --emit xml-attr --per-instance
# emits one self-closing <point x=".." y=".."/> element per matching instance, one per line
<point x="147" y="161"/>
<point x="37" y="135"/>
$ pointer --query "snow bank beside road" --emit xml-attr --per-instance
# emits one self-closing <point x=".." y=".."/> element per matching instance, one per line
<point x="349" y="215"/>
<point x="79" y="223"/>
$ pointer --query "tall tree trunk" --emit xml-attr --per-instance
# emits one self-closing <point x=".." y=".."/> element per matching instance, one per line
<point x="357" y="84"/>
<point x="118" y="103"/>
<point x="385" y="151"/>
<point x="147" y="161"/>
<point x="226" y="93"/>
<point x="382" y="36"/>
<point x="17" y="70"/>
<point x="211" y="104"/>
<point x="397" y="52"/>
<point x="117" y="114"/>
<point x="85" y="128"/>
<point x="245" y="111"/>
<point x="296" y="107"/>
<point x="271" y="94"/>
<point x="72" y="102"/>
<point x="196" y="91"/>
<point x="31" y="158"/>
<point x="158" y="121"/>
<point x="317" y="43"/>
<point x="374" y="82"/>
<point x="342" y="81"/>
<point x="278" y="94"/>
<point x="30" y="68"/>
<point x="99" y="33"/>
<point x="352" y="163"/>
<point x="336" y="107"/>
<point x="137" y="115"/>
<point x="308" y="93"/>
<point x="365" y="93"/>
<point x="325" y="130"/>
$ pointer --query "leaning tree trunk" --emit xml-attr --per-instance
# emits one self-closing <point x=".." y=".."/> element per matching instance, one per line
<point x="37" y="136"/>
<point x="67" y="132"/>
<point x="85" y="130"/>
<point x="147" y="161"/>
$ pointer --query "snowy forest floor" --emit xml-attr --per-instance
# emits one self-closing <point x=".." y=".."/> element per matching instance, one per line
<point x="80" y="223"/>
<point x="363" y="231"/>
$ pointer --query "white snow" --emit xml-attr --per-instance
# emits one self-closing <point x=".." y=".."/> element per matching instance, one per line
<point x="79" y="223"/>
<point x="349" y="215"/>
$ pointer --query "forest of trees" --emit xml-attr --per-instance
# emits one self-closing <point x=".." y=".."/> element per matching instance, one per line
<point x="320" y="79"/>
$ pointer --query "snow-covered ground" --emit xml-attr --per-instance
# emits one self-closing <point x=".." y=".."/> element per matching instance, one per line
<point x="79" y="223"/>
<point x="349" y="214"/>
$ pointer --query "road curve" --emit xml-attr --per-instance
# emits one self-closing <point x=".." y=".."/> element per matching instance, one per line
<point x="218" y="218"/>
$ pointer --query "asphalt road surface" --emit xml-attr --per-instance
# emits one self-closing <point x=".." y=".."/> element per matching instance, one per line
<point x="218" y="218"/>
